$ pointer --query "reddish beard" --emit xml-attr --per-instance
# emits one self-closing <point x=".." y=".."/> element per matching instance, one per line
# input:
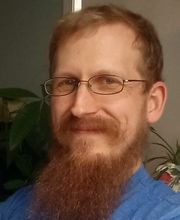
<point x="72" y="187"/>
<point x="65" y="133"/>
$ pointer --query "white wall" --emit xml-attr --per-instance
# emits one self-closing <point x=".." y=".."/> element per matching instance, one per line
<point x="165" y="15"/>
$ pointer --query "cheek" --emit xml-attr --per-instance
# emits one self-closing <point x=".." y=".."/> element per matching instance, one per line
<point x="59" y="108"/>
<point x="129" y="113"/>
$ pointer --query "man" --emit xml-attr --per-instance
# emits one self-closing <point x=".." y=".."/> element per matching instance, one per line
<point x="106" y="89"/>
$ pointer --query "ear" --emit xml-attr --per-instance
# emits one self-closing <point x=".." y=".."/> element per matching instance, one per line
<point x="156" y="101"/>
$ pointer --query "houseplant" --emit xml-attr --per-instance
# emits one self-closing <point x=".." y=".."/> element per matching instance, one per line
<point x="24" y="137"/>
<point x="168" y="170"/>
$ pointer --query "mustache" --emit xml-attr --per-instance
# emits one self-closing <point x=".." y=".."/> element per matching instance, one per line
<point x="88" y="123"/>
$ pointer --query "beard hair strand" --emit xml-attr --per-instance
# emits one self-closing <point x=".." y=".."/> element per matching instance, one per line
<point x="74" y="188"/>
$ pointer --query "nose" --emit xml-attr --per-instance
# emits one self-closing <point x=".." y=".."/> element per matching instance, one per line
<point x="85" y="102"/>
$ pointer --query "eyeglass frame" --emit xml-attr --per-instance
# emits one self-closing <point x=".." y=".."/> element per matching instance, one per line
<point x="124" y="81"/>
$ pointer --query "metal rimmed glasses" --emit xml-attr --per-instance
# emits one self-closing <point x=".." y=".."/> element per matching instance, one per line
<point x="104" y="84"/>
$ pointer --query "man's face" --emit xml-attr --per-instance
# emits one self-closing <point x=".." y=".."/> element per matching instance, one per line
<point x="105" y="124"/>
<point x="98" y="138"/>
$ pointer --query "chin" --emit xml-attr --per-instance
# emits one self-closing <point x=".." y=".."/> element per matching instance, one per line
<point x="104" y="151"/>
<point x="90" y="145"/>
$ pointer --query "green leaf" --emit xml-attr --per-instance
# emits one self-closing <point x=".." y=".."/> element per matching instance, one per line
<point x="177" y="157"/>
<point x="11" y="156"/>
<point x="157" y="174"/>
<point x="24" y="164"/>
<point x="152" y="129"/>
<point x="13" y="184"/>
<point x="15" y="93"/>
<point x="156" y="158"/>
<point x="175" y="172"/>
<point x="23" y="123"/>
<point x="168" y="148"/>
<point x="162" y="139"/>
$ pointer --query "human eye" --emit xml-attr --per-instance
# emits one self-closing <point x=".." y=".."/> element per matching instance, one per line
<point x="64" y="84"/>
<point x="69" y="82"/>
<point x="106" y="84"/>
<point x="108" y="80"/>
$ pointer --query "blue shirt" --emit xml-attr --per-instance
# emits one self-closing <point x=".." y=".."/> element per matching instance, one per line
<point x="145" y="199"/>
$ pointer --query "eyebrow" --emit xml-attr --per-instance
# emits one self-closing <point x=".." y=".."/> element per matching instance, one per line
<point x="74" y="74"/>
<point x="64" y="74"/>
<point x="108" y="72"/>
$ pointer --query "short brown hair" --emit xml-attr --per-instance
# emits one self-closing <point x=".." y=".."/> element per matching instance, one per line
<point x="93" y="17"/>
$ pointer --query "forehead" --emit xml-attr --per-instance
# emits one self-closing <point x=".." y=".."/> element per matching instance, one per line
<point x="109" y="46"/>
<point x="105" y="31"/>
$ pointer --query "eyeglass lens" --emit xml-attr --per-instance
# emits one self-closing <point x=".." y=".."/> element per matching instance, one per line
<point x="101" y="84"/>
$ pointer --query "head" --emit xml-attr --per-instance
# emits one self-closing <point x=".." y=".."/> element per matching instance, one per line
<point x="91" y="18"/>
<point x="99" y="138"/>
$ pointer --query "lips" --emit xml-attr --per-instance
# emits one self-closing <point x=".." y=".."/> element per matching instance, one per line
<point x="84" y="129"/>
